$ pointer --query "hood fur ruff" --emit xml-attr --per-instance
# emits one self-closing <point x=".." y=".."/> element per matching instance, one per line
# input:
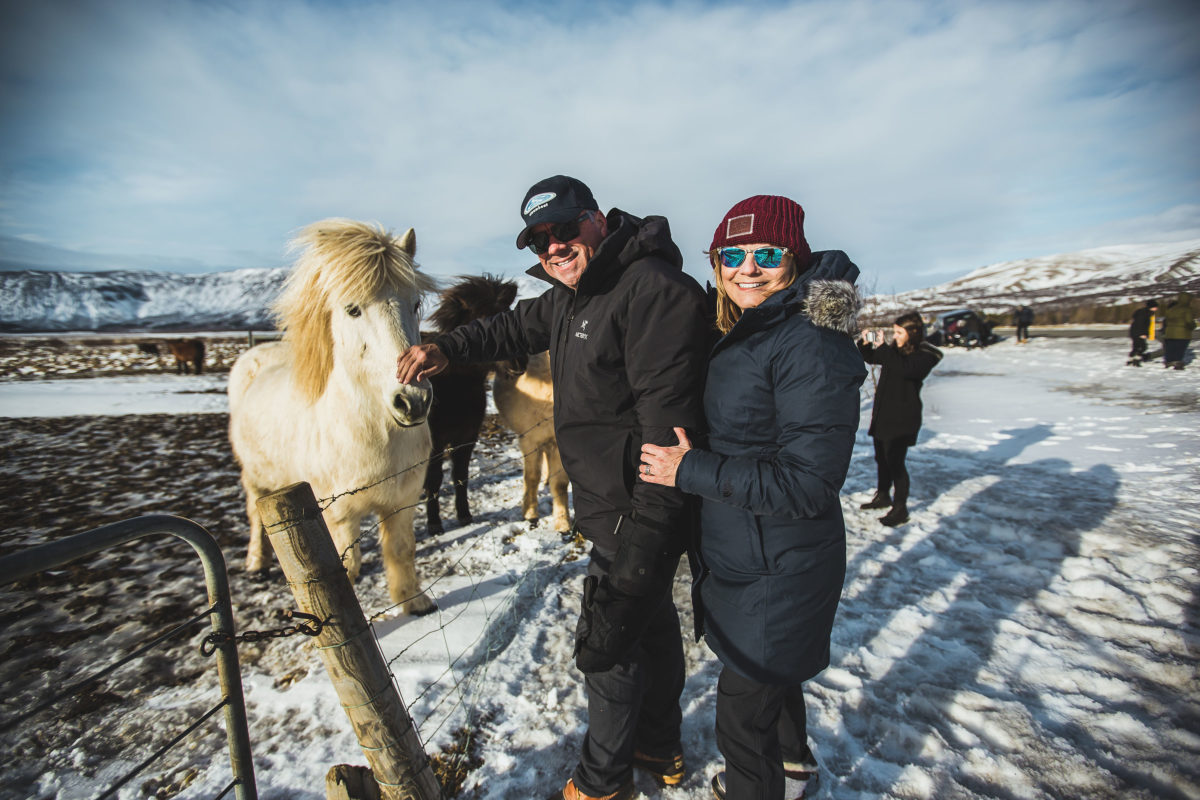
<point x="833" y="304"/>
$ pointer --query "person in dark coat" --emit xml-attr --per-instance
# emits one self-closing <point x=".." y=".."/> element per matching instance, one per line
<point x="896" y="412"/>
<point x="628" y="334"/>
<point x="1178" y="324"/>
<point x="1023" y="318"/>
<point x="781" y="401"/>
<point x="1139" y="332"/>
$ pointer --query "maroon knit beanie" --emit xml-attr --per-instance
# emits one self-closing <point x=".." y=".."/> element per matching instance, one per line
<point x="765" y="218"/>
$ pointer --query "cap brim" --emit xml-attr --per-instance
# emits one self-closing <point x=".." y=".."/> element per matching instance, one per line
<point x="556" y="215"/>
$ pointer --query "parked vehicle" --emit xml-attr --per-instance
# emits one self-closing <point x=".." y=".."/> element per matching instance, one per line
<point x="960" y="328"/>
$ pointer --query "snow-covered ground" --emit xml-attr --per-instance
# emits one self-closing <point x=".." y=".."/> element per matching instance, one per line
<point x="1034" y="631"/>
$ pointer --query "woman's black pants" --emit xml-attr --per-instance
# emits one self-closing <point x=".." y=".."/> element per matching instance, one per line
<point x="759" y="726"/>
<point x="889" y="463"/>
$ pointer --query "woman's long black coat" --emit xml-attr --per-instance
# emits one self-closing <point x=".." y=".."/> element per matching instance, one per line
<point x="896" y="413"/>
<point x="781" y="401"/>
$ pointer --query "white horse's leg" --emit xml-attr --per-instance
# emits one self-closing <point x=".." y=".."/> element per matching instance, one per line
<point x="256" y="551"/>
<point x="557" y="480"/>
<point x="532" y="465"/>
<point x="399" y="561"/>
<point x="345" y="534"/>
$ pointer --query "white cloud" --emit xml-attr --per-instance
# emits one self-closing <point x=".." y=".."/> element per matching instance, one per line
<point x="918" y="136"/>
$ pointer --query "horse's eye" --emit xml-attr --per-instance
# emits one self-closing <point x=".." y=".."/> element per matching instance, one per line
<point x="354" y="311"/>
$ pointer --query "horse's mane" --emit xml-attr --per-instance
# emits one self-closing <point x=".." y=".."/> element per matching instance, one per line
<point x="339" y="259"/>
<point x="473" y="297"/>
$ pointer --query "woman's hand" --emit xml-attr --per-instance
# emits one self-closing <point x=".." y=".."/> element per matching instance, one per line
<point x="659" y="464"/>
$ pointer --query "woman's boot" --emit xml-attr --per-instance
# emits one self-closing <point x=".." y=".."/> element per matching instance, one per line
<point x="880" y="500"/>
<point x="897" y="516"/>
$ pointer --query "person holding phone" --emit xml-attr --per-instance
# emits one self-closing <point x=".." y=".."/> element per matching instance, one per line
<point x="896" y="412"/>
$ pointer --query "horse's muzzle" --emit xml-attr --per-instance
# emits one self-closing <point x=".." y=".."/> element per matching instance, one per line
<point x="411" y="404"/>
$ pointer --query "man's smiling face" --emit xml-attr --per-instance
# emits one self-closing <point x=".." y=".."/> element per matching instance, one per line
<point x="566" y="261"/>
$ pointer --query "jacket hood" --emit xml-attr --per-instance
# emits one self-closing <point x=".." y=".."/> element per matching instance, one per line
<point x="831" y="265"/>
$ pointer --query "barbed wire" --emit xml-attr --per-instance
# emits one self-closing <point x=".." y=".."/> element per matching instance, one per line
<point x="461" y="690"/>
<point x="495" y="470"/>
<point x="324" y="503"/>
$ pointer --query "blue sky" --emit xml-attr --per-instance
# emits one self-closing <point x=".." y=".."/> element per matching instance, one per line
<point x="924" y="138"/>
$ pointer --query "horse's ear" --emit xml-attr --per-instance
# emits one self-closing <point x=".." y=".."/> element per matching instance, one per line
<point x="408" y="242"/>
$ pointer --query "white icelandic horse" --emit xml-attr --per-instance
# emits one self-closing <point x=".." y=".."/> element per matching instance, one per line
<point x="323" y="405"/>
<point x="524" y="397"/>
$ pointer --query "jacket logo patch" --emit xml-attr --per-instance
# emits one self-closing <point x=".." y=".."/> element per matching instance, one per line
<point x="739" y="226"/>
<point x="582" y="327"/>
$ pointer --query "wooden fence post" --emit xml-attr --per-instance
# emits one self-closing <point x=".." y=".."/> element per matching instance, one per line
<point x="385" y="731"/>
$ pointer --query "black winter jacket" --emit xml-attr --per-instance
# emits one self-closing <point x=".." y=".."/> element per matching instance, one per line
<point x="896" y="413"/>
<point x="1140" y="325"/>
<point x="781" y="400"/>
<point x="627" y="354"/>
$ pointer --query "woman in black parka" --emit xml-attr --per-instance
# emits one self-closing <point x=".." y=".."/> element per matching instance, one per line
<point x="896" y="414"/>
<point x="781" y="401"/>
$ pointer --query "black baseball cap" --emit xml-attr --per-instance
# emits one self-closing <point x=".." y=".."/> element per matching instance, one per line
<point x="556" y="199"/>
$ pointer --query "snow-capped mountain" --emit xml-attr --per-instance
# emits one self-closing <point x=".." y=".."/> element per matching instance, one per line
<point x="126" y="300"/>
<point x="33" y="300"/>
<point x="1104" y="276"/>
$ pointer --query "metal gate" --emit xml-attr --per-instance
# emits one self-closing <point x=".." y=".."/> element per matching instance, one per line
<point x="222" y="642"/>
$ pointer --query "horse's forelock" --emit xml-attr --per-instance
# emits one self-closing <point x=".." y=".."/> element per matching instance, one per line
<point x="340" y="260"/>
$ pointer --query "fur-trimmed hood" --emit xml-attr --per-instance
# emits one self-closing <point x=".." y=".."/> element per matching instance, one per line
<point x="830" y="299"/>
<point x="833" y="304"/>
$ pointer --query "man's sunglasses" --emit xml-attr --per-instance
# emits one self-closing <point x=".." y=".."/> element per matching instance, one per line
<point x="562" y="232"/>
<point x="765" y="257"/>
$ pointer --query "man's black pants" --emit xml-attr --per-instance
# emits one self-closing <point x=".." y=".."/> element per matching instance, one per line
<point x="634" y="705"/>
<point x="759" y="726"/>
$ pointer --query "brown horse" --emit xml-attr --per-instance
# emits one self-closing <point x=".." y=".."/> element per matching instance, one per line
<point x="524" y="396"/>
<point x="459" y="393"/>
<point x="187" y="351"/>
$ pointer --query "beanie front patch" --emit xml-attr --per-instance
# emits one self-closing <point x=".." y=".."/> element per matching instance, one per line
<point x="739" y="226"/>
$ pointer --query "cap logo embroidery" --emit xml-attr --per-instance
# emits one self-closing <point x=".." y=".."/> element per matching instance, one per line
<point x="739" y="226"/>
<point x="537" y="201"/>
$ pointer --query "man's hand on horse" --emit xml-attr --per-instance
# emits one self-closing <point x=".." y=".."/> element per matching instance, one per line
<point x="419" y="362"/>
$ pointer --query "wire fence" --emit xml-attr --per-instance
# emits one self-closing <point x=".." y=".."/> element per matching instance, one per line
<point x="463" y="688"/>
<point x="460" y="682"/>
<point x="34" y="561"/>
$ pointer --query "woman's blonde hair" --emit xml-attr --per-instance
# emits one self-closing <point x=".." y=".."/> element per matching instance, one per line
<point x="728" y="312"/>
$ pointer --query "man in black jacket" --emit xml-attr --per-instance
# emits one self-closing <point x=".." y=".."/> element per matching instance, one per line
<point x="628" y="340"/>
<point x="1139" y="332"/>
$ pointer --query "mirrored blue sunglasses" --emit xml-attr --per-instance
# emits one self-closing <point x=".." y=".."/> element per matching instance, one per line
<point x="765" y="257"/>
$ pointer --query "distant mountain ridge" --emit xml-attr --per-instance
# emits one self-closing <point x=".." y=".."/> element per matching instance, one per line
<point x="34" y="300"/>
<point x="1103" y="276"/>
<point x="128" y="300"/>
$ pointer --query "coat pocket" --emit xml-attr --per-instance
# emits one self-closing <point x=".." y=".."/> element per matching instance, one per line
<point x="731" y="540"/>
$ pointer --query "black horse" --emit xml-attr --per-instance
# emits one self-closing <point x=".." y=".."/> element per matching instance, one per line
<point x="459" y="393"/>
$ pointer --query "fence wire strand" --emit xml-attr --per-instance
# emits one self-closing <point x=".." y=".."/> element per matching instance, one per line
<point x="95" y="678"/>
<point x="462" y="692"/>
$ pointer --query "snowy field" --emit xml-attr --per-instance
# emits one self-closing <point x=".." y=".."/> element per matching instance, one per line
<point x="1033" y="632"/>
